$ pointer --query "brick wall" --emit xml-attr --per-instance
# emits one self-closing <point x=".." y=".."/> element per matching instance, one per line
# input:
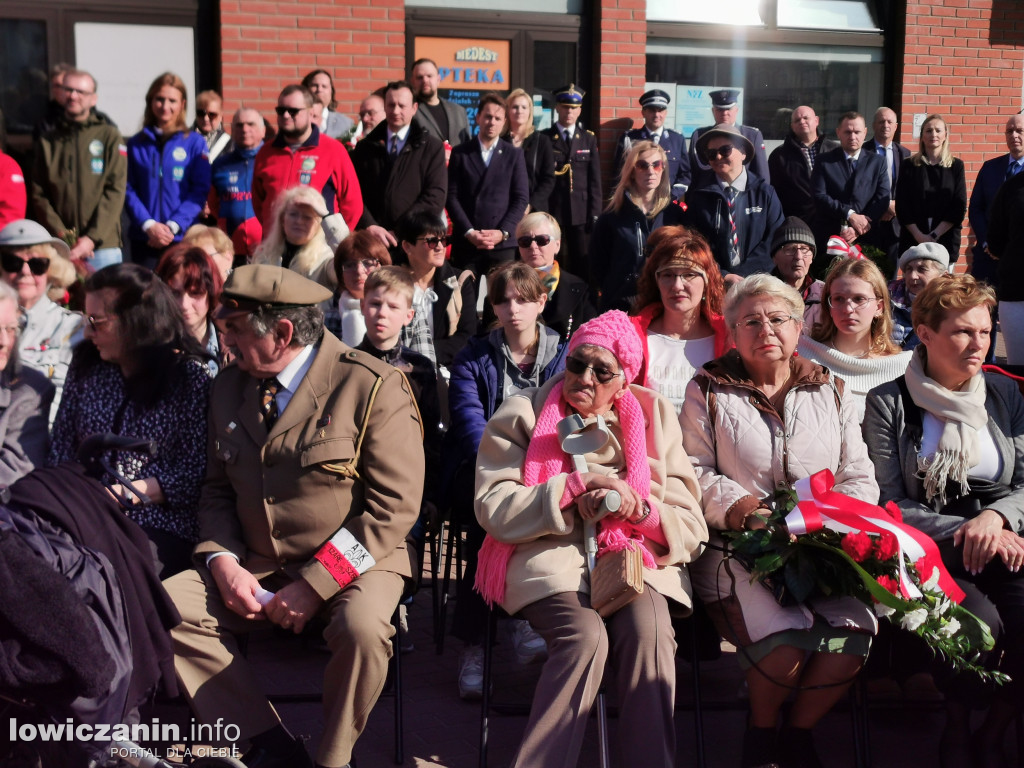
<point x="620" y="69"/>
<point x="267" y="45"/>
<point x="964" y="59"/>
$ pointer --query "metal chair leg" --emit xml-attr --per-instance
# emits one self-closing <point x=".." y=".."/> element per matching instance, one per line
<point x="698" y="702"/>
<point x="396" y="661"/>
<point x="485" y="699"/>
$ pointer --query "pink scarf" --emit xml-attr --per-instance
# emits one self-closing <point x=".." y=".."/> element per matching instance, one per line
<point x="546" y="459"/>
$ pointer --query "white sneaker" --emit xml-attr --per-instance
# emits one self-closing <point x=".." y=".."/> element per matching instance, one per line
<point x="471" y="672"/>
<point x="527" y="644"/>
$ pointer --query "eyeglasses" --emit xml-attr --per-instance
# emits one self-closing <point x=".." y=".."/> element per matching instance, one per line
<point x="643" y="165"/>
<point x="201" y="113"/>
<point x="754" y="324"/>
<point x="854" y="302"/>
<point x="96" y="321"/>
<point x="541" y="240"/>
<point x="293" y="111"/>
<point x="433" y="241"/>
<point x="79" y="91"/>
<point x="353" y="266"/>
<point x="11" y="330"/>
<point x="37" y="265"/>
<point x="723" y="151"/>
<point x="669" y="276"/>
<point x="578" y="368"/>
<point x="797" y="250"/>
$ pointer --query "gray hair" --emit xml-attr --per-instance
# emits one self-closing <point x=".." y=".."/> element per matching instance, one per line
<point x="7" y="293"/>
<point x="307" y="323"/>
<point x="761" y="285"/>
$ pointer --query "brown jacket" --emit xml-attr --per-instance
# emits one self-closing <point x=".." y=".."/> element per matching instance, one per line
<point x="276" y="500"/>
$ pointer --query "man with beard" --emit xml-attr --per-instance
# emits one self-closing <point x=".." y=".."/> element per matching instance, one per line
<point x="302" y="155"/>
<point x="443" y="119"/>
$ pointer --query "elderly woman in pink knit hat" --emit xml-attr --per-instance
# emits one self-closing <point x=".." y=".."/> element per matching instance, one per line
<point x="533" y="505"/>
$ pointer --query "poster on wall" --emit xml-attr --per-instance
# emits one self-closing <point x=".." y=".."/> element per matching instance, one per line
<point x="467" y="67"/>
<point x="693" y="107"/>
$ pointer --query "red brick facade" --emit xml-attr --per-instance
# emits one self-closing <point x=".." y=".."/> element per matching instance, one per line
<point x="964" y="59"/>
<point x="266" y="45"/>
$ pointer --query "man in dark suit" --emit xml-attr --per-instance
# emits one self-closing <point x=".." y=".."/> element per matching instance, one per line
<point x="488" y="192"/>
<point x="576" y="200"/>
<point x="313" y="481"/>
<point x="654" y="106"/>
<point x="887" y="234"/>
<point x="990" y="178"/>
<point x="401" y="167"/>
<point x="792" y="163"/>
<point x="851" y="188"/>
<point x="724" y="106"/>
<point x="442" y="119"/>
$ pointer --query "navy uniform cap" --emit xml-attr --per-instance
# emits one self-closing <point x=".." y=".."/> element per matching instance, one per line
<point x="656" y="98"/>
<point x="263" y="286"/>
<point x="569" y="94"/>
<point x="724" y="98"/>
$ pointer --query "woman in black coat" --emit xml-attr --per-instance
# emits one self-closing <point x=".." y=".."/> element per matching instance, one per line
<point x="931" y="198"/>
<point x="540" y="156"/>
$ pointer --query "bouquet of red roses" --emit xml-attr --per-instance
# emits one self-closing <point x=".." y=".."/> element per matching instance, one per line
<point x="818" y="542"/>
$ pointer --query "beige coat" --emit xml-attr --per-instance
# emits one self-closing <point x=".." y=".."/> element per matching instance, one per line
<point x="549" y="557"/>
<point x="743" y="450"/>
<point x="275" y="499"/>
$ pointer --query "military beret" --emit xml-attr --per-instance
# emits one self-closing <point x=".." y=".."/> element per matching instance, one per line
<point x="724" y="98"/>
<point x="256" y="286"/>
<point x="656" y="98"/>
<point x="569" y="94"/>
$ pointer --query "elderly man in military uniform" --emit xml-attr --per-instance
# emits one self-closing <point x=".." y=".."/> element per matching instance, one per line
<point x="314" y="479"/>
<point x="724" y="105"/>
<point x="654" y="108"/>
<point x="576" y="199"/>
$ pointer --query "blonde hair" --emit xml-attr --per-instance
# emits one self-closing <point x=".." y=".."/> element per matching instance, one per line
<point x="198" y="234"/>
<point x="663" y="195"/>
<point x="396" y="279"/>
<point x="881" y="327"/>
<point x="535" y="219"/>
<point x="272" y="247"/>
<point x="518" y="93"/>
<point x="945" y="156"/>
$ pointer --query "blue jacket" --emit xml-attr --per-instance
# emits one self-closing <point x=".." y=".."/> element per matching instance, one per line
<point x="167" y="185"/>
<point x="231" y="197"/>
<point x="759" y="214"/>
<point x="474" y="392"/>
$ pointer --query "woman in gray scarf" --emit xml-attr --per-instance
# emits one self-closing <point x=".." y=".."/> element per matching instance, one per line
<point x="947" y="441"/>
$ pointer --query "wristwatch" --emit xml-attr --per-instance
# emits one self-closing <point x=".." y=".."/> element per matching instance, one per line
<point x="504" y="235"/>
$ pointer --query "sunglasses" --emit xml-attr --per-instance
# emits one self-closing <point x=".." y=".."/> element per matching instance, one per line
<point x="578" y="368"/>
<point x="293" y="111"/>
<point x="433" y="241"/>
<point x="541" y="240"/>
<point x="723" y="151"/>
<point x="353" y="266"/>
<point x="37" y="265"/>
<point x="643" y="165"/>
<point x="201" y="113"/>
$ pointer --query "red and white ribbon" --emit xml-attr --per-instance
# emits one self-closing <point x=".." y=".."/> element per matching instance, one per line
<point x="820" y="507"/>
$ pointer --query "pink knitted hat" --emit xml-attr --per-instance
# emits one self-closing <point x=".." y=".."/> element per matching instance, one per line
<point x="612" y="331"/>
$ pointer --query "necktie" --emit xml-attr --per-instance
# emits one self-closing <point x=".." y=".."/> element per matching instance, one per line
<point x="734" y="240"/>
<point x="886" y="153"/>
<point x="568" y="136"/>
<point x="1014" y="169"/>
<point x="656" y="138"/>
<point x="268" y="403"/>
<point x="853" y="165"/>
<point x="394" y="146"/>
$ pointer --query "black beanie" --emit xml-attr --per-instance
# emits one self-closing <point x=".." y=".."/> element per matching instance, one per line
<point x="793" y="230"/>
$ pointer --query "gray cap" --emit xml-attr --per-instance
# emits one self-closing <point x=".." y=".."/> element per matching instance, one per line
<point x="793" y="230"/>
<point x="723" y="130"/>
<point x="932" y="251"/>
<point x="24" y="233"/>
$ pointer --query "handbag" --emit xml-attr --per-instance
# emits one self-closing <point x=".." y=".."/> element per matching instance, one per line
<point x="617" y="580"/>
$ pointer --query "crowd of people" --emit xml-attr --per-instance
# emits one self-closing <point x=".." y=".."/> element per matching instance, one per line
<point x="376" y="325"/>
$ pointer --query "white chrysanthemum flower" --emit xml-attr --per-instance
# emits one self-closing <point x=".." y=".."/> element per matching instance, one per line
<point x="950" y="628"/>
<point x="913" y="619"/>
<point x="933" y="580"/>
